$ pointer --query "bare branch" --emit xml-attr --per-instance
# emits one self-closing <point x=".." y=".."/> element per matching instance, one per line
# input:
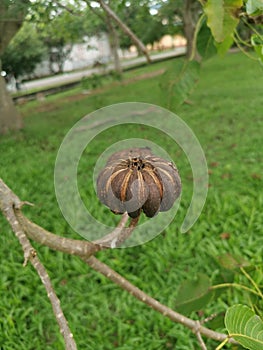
<point x="68" y="9"/>
<point x="125" y="233"/>
<point x="120" y="234"/>
<point x="125" y="29"/>
<point x="111" y="237"/>
<point x="8" y="203"/>
<point x="153" y="303"/>
<point x="55" y="302"/>
<point x="80" y="248"/>
<point x="95" y="12"/>
<point x="199" y="337"/>
<point x="77" y="247"/>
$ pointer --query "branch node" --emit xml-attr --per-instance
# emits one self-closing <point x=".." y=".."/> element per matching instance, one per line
<point x="197" y="327"/>
<point x="207" y="319"/>
<point x="27" y="203"/>
<point x="31" y="254"/>
<point x="18" y="205"/>
<point x="197" y="332"/>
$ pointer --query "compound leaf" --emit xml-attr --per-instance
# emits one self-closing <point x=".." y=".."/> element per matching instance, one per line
<point x="245" y="326"/>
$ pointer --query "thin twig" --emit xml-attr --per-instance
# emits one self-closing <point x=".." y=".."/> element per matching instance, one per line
<point x="208" y="319"/>
<point x="241" y="40"/>
<point x="68" y="9"/>
<point x="199" y="337"/>
<point x="119" y="235"/>
<point x="55" y="302"/>
<point x="252" y="282"/>
<point x="244" y="19"/>
<point x="125" y="29"/>
<point x="125" y="233"/>
<point x="92" y="9"/>
<point x="111" y="237"/>
<point x="243" y="51"/>
<point x="235" y="285"/>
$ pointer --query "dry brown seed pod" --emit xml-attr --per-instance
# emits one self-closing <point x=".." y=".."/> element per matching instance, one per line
<point x="135" y="180"/>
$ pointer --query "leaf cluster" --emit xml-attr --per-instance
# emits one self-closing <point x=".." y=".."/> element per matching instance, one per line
<point x="241" y="322"/>
<point x="24" y="52"/>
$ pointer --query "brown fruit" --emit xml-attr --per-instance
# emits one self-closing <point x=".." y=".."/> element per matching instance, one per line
<point x="135" y="180"/>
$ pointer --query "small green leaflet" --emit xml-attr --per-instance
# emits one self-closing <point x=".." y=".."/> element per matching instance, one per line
<point x="232" y="262"/>
<point x="193" y="294"/>
<point x="245" y="326"/>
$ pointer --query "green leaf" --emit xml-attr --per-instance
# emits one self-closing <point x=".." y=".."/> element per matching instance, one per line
<point x="205" y="42"/>
<point x="215" y="13"/>
<point x="254" y="7"/>
<point x="232" y="262"/>
<point x="245" y="327"/>
<point x="225" y="45"/>
<point x="222" y="17"/>
<point x="178" y="82"/>
<point x="193" y="294"/>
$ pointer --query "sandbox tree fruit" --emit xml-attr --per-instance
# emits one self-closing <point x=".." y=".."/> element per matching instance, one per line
<point x="135" y="180"/>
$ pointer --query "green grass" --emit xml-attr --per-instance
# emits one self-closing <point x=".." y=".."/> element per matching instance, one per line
<point x="226" y="115"/>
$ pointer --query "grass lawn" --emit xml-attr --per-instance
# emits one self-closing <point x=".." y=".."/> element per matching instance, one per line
<point x="226" y="115"/>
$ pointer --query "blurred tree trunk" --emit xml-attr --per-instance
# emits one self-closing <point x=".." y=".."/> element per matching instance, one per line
<point x="190" y="14"/>
<point x="10" y="119"/>
<point x="114" y="44"/>
<point x="12" y="15"/>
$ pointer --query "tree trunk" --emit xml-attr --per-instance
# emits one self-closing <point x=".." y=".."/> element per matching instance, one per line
<point x="10" y="119"/>
<point x="114" y="44"/>
<point x="188" y="27"/>
<point x="190" y="16"/>
<point x="11" y="19"/>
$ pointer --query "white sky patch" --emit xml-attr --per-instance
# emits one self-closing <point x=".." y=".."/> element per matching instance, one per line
<point x="153" y="11"/>
<point x="94" y="4"/>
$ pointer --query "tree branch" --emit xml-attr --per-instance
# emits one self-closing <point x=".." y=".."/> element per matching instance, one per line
<point x="119" y="234"/>
<point x="80" y="248"/>
<point x="125" y="29"/>
<point x="68" y="9"/>
<point x="75" y="246"/>
<point x="92" y="9"/>
<point x="153" y="303"/>
<point x="199" y="338"/>
<point x="66" y="245"/>
<point x="9" y="202"/>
